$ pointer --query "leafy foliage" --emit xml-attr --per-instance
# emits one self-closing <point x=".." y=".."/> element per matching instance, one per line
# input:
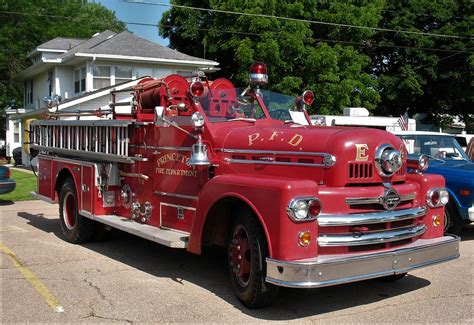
<point x="297" y="53"/>
<point x="386" y="71"/>
<point x="26" y="24"/>
<point x="426" y="81"/>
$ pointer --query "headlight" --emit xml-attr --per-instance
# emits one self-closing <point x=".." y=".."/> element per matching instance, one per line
<point x="304" y="209"/>
<point x="387" y="160"/>
<point x="437" y="197"/>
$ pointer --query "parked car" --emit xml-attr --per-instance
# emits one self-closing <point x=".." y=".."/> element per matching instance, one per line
<point x="7" y="184"/>
<point x="448" y="159"/>
<point x="17" y="156"/>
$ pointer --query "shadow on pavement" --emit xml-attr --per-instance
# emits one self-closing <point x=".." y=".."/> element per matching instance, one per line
<point x="468" y="232"/>
<point x="209" y="271"/>
<point x="6" y="202"/>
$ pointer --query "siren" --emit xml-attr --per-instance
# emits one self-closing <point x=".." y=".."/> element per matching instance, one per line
<point x="258" y="74"/>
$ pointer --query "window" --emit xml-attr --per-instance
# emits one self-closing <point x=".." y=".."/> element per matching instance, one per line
<point x="16" y="132"/>
<point x="80" y="80"/>
<point x="123" y="74"/>
<point x="101" y="76"/>
<point x="50" y="83"/>
<point x="185" y="73"/>
<point x="29" y="92"/>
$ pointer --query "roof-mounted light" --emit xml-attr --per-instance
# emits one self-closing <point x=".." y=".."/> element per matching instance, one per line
<point x="258" y="74"/>
<point x="308" y="97"/>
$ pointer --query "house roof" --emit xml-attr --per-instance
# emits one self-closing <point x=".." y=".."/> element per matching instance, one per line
<point x="109" y="45"/>
<point x="61" y="43"/>
<point x="127" y="44"/>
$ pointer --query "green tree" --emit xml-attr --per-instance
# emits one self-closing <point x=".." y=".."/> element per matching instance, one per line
<point x="299" y="54"/>
<point x="26" y="24"/>
<point x="426" y="74"/>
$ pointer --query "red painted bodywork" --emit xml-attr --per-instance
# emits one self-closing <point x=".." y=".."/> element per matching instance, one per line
<point x="265" y="189"/>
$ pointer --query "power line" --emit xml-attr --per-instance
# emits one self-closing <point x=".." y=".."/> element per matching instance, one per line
<point x="445" y="58"/>
<point x="237" y="32"/>
<point x="321" y="39"/>
<point x="298" y="20"/>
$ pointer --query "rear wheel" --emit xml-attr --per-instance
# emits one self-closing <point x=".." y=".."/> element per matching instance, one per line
<point x="452" y="221"/>
<point x="75" y="227"/>
<point x="247" y="250"/>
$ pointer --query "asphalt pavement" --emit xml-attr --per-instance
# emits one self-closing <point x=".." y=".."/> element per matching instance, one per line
<point x="130" y="280"/>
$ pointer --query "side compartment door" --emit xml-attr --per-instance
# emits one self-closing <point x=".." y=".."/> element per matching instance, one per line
<point x="87" y="182"/>
<point x="45" y="181"/>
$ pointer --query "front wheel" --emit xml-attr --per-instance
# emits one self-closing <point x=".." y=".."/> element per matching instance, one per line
<point x="452" y="221"/>
<point x="75" y="227"/>
<point x="247" y="250"/>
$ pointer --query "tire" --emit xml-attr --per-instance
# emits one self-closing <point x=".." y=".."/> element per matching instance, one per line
<point x="452" y="221"/>
<point x="247" y="250"/>
<point x="76" y="228"/>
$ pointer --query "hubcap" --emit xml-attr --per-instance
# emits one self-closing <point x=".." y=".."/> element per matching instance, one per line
<point x="240" y="257"/>
<point x="69" y="211"/>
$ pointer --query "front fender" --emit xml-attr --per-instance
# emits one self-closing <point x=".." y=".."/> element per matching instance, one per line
<point x="268" y="198"/>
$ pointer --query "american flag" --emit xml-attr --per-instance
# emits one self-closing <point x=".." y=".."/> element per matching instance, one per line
<point x="403" y="121"/>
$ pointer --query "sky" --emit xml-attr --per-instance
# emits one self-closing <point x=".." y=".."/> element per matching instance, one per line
<point x="128" y="11"/>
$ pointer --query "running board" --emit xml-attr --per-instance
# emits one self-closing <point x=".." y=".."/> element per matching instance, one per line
<point x="164" y="237"/>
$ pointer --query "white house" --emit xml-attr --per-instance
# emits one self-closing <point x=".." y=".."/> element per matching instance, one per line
<point x="78" y="69"/>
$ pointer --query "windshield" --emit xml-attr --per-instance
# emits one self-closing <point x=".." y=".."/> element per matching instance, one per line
<point x="282" y="107"/>
<point x="438" y="146"/>
<point x="231" y="104"/>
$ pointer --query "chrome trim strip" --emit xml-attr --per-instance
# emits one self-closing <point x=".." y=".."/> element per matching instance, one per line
<point x="325" y="220"/>
<point x="369" y="238"/>
<point x="375" y="200"/>
<point x="326" y="270"/>
<point x="147" y="147"/>
<point x="270" y="152"/>
<point x="175" y="148"/>
<point x="180" y="196"/>
<point x="264" y="162"/>
<point x="328" y="159"/>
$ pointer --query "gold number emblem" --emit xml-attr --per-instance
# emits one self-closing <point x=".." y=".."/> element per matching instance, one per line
<point x="362" y="155"/>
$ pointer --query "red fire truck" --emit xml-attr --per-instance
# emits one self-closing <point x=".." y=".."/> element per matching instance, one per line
<point x="198" y="163"/>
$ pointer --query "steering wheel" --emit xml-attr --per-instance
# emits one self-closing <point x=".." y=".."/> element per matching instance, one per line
<point x="441" y="154"/>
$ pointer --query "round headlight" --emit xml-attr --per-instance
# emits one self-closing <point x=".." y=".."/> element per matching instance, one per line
<point x="300" y="209"/>
<point x="437" y="197"/>
<point x="304" y="209"/>
<point x="388" y="160"/>
<point x="198" y="119"/>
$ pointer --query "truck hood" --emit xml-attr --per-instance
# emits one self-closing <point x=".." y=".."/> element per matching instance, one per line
<point x="345" y="144"/>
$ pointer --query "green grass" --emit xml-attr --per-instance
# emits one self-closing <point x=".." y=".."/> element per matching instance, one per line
<point x="25" y="183"/>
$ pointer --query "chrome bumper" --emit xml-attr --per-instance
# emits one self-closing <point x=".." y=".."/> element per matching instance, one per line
<point x="337" y="269"/>
<point x="470" y="213"/>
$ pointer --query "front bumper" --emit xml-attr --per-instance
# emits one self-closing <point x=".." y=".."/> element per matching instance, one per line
<point x="470" y="213"/>
<point x="337" y="269"/>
